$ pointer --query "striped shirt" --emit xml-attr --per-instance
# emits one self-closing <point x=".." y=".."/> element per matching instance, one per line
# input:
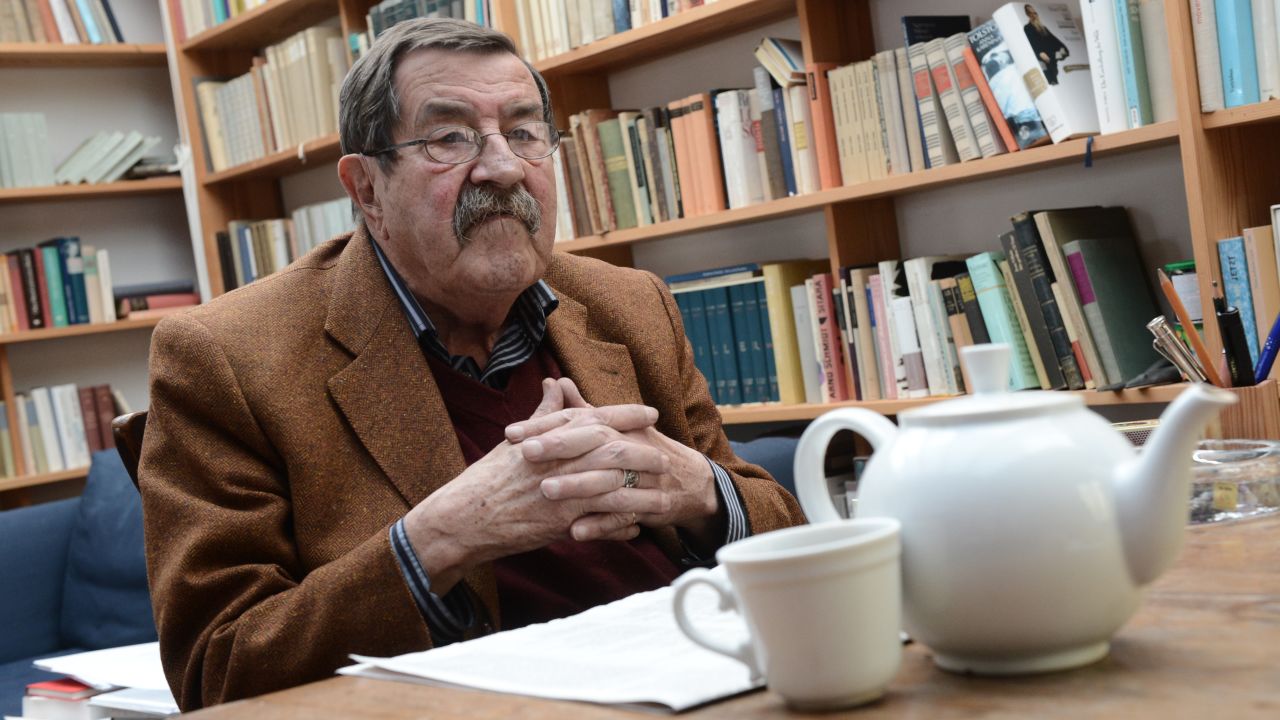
<point x="449" y="616"/>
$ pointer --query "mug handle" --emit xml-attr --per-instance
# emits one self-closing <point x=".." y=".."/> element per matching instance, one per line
<point x="743" y="652"/>
<point x="811" y="480"/>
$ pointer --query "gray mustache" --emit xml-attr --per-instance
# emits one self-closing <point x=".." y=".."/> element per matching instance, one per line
<point x="478" y="203"/>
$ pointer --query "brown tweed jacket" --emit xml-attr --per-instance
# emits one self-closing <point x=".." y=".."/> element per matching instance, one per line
<point x="293" y="421"/>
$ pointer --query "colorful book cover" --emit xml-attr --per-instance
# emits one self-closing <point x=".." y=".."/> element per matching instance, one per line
<point x="1000" y="318"/>
<point x="1133" y="63"/>
<point x="1236" y="288"/>
<point x="1117" y="302"/>
<point x="1237" y="52"/>
<point x="1006" y="86"/>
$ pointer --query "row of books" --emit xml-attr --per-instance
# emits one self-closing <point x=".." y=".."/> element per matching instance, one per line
<point x="25" y="160"/>
<point x="289" y="96"/>
<point x="553" y="27"/>
<point x="1251" y="279"/>
<point x="192" y="17"/>
<point x="389" y="12"/>
<point x="59" y="428"/>
<point x="251" y="249"/>
<point x="1237" y="52"/>
<point x="1067" y="292"/>
<point x="1128" y="46"/>
<point x="105" y="156"/>
<point x="59" y="282"/>
<point x="59" y="21"/>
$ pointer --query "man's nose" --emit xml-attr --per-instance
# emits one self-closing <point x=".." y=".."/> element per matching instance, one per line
<point x="497" y="164"/>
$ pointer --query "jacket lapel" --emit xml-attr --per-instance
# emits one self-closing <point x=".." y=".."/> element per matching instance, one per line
<point x="602" y="370"/>
<point x="387" y="393"/>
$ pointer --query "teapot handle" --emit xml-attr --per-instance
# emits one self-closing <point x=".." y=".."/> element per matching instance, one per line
<point x="811" y="480"/>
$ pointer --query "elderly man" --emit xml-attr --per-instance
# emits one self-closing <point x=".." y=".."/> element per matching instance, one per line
<point x="433" y="427"/>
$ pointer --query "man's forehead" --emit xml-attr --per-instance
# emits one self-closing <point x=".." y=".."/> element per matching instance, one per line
<point x="451" y="83"/>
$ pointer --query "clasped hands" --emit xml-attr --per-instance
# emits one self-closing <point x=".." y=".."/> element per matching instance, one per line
<point x="560" y="474"/>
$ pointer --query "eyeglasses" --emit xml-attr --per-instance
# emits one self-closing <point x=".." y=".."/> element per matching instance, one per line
<point x="459" y="144"/>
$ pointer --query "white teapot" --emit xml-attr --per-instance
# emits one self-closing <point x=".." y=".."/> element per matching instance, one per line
<point x="1029" y="525"/>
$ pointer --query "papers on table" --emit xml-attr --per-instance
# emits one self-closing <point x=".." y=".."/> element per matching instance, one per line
<point x="135" y="668"/>
<point x="628" y="652"/>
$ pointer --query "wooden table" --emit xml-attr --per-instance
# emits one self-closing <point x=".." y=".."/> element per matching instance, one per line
<point x="1205" y="644"/>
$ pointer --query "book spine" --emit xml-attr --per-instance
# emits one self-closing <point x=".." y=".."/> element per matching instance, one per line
<point x="916" y="155"/>
<point x="784" y="140"/>
<point x="908" y="343"/>
<point x="766" y="340"/>
<point x="1236" y="288"/>
<point x="1237" y="52"/>
<point x="1099" y="19"/>
<point x="884" y="346"/>
<point x="1155" y="40"/>
<point x="835" y="385"/>
<point x="824" y="131"/>
<point x="721" y="325"/>
<point x="752" y="293"/>
<point x="773" y="158"/>
<point x="740" y="322"/>
<point x="989" y="141"/>
<point x="92" y="433"/>
<point x="1266" y="47"/>
<point x="1070" y="324"/>
<point x="1031" y="256"/>
<point x="617" y="173"/>
<point x="701" y="338"/>
<point x="803" y="331"/>
<point x="1093" y="315"/>
<point x="1133" y="63"/>
<point x="949" y="97"/>
<point x="106" y="409"/>
<point x="53" y="279"/>
<point x="1000" y="319"/>
<point x="972" y="313"/>
<point x="1204" y="30"/>
<point x="926" y="106"/>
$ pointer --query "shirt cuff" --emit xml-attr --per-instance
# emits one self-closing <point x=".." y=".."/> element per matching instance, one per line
<point x="449" y="617"/>
<point x="736" y="525"/>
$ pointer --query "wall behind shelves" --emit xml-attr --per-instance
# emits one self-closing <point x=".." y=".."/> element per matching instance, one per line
<point x="146" y="235"/>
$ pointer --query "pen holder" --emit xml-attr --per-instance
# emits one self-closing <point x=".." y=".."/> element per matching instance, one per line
<point x="1256" y="416"/>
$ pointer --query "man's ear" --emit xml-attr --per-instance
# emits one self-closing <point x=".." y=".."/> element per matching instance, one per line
<point x="356" y="175"/>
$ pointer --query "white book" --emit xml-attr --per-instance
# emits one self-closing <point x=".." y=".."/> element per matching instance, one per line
<point x="104" y="281"/>
<point x="95" y="172"/>
<point x="1061" y="88"/>
<point x="1155" y="42"/>
<point x="62" y="18"/>
<point x="12" y="125"/>
<point x="848" y="119"/>
<point x="48" y="430"/>
<point x="85" y="148"/>
<point x="635" y="168"/>
<point x="573" y="24"/>
<point x="118" y="170"/>
<point x="762" y="163"/>
<point x="826" y="384"/>
<point x="564" y="218"/>
<point x="800" y="130"/>
<point x="865" y="342"/>
<point x="1266" y="49"/>
<point x="523" y="21"/>
<point x="949" y="95"/>
<point x="890" y="104"/>
<point x="888" y="291"/>
<point x="603" y="18"/>
<point x="904" y="325"/>
<point x="874" y="131"/>
<point x="66" y="413"/>
<point x="1099" y="18"/>
<point x="42" y="154"/>
<point x="809" y="366"/>
<point x="932" y="335"/>
<point x="738" y="149"/>
<point x="586" y="21"/>
<point x="910" y="116"/>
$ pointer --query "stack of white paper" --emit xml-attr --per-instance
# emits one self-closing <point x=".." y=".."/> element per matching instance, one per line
<point x="133" y="672"/>
<point x="627" y="652"/>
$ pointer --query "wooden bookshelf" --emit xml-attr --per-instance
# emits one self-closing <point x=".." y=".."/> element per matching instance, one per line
<point x="77" y="330"/>
<point x="148" y="186"/>
<point x="774" y="412"/>
<point x="262" y="25"/>
<point x="320" y="150"/>
<point x="1263" y="112"/>
<point x="1034" y="159"/>
<point x="680" y="31"/>
<point x="58" y="55"/>
<point x="29" y="481"/>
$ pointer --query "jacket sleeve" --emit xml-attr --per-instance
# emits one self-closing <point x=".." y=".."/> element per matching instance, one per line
<point x="768" y="505"/>
<point x="237" y="612"/>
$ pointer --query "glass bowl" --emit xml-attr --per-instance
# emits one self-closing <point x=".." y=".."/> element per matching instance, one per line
<point x="1234" y="479"/>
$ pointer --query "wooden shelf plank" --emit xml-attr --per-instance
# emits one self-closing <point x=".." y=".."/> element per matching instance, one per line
<point x="25" y="481"/>
<point x="148" y="186"/>
<point x="1007" y="164"/>
<point x="668" y="35"/>
<point x="263" y="25"/>
<point x="1268" y="111"/>
<point x="57" y="55"/>
<point x="76" y="330"/>
<point x="319" y="150"/>
<point x="761" y="413"/>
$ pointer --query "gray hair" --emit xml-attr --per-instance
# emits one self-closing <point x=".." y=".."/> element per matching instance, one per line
<point x="368" y="108"/>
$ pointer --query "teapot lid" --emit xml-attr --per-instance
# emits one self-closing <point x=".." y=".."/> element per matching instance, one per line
<point x="988" y="376"/>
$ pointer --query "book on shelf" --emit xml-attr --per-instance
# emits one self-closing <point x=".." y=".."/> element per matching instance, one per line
<point x="1204" y="32"/>
<point x="1133" y="63"/>
<point x="25" y="157"/>
<point x="1111" y="280"/>
<point x="59" y="22"/>
<point x="1237" y="52"/>
<point x="1004" y="81"/>
<point x="1049" y="53"/>
<point x="1155" y="40"/>
<point x="61" y="426"/>
<point x="1237" y="290"/>
<point x="1098" y="18"/>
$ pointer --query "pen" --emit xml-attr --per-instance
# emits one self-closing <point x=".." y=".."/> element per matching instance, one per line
<point x="1167" y="344"/>
<point x="1268" y="354"/>
<point x="1189" y="327"/>
<point x="1233" y="342"/>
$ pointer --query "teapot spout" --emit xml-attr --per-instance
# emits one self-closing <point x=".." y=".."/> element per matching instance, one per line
<point x="1153" y="490"/>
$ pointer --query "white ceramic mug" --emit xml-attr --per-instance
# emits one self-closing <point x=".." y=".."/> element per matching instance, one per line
<point x="822" y="605"/>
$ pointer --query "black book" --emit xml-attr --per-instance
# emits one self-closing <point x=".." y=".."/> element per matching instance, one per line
<point x="1030" y="251"/>
<point x="972" y="311"/>
<point x="227" y="260"/>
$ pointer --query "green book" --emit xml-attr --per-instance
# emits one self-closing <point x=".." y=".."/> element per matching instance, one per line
<point x="1117" y="302"/>
<point x="618" y="172"/>
<point x="1000" y="317"/>
<point x="53" y="277"/>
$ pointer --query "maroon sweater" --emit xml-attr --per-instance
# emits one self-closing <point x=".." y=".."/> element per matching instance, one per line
<point x="567" y="576"/>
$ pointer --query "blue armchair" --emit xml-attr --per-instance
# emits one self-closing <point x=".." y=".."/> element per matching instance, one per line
<point x="72" y="578"/>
